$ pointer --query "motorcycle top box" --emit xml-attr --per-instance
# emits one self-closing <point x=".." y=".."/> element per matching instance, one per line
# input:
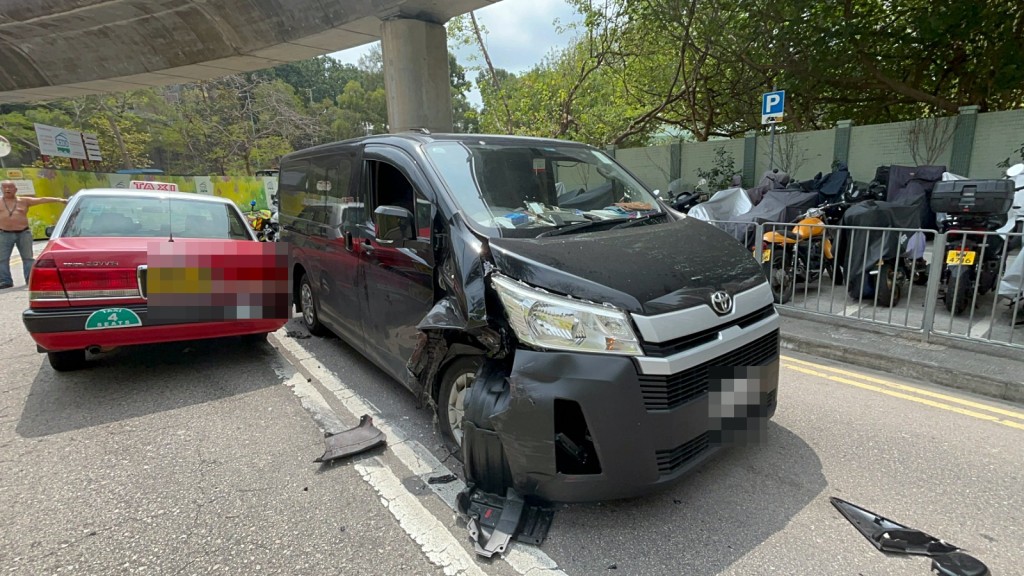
<point x="972" y="196"/>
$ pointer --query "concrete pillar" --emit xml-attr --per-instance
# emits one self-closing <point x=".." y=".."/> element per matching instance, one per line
<point x="416" y="79"/>
<point x="841" y="150"/>
<point x="750" y="159"/>
<point x="675" y="160"/>
<point x="963" y="140"/>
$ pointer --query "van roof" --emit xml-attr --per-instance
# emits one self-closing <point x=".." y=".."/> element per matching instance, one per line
<point x="416" y="137"/>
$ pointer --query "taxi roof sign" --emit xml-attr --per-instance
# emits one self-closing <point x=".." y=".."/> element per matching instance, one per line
<point x="145" y="185"/>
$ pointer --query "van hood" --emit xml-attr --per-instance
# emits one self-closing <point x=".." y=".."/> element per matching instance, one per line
<point x="647" y="270"/>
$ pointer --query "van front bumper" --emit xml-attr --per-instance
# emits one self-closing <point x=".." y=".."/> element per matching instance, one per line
<point x="585" y="427"/>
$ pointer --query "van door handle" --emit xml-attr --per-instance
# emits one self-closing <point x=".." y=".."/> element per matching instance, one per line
<point x="348" y="241"/>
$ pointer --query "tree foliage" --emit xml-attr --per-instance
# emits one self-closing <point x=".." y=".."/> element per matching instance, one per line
<point x="640" y="67"/>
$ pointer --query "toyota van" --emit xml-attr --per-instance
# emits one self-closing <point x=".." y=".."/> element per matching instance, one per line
<point x="578" y="339"/>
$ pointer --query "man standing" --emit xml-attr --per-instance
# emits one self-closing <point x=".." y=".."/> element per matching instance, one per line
<point x="14" y="230"/>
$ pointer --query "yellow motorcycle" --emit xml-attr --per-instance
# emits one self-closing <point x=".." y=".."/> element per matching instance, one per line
<point x="799" y="254"/>
<point x="260" y="223"/>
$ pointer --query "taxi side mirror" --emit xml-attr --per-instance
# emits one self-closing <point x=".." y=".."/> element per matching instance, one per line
<point x="393" y="223"/>
<point x="49" y="231"/>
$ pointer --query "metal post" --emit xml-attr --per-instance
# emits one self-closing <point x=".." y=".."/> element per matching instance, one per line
<point x="934" y="279"/>
<point x="771" y="146"/>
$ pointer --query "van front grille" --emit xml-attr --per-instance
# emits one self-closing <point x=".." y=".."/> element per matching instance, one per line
<point x="668" y="392"/>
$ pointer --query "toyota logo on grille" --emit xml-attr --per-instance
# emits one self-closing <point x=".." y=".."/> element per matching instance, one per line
<point x="721" y="302"/>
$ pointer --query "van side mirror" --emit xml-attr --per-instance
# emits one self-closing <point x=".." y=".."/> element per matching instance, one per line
<point x="49" y="231"/>
<point x="394" y="223"/>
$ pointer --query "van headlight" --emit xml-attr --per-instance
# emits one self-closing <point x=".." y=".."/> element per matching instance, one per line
<point x="556" y="323"/>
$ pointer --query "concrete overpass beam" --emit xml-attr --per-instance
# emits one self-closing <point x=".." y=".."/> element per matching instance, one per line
<point x="416" y="77"/>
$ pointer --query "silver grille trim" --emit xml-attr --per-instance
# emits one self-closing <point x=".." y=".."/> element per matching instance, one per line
<point x="726" y="341"/>
<point x="672" y="325"/>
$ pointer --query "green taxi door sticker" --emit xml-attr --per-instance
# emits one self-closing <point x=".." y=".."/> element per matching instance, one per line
<point x="112" y="318"/>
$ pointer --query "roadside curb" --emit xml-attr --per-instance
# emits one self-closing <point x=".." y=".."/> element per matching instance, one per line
<point x="888" y="359"/>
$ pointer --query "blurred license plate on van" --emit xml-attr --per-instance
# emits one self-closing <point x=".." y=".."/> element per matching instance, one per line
<point x="957" y="257"/>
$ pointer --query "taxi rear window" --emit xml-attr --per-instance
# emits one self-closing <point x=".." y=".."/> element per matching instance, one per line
<point x="141" y="217"/>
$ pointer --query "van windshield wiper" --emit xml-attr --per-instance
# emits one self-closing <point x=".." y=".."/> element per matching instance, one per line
<point x="567" y="228"/>
<point x="640" y="220"/>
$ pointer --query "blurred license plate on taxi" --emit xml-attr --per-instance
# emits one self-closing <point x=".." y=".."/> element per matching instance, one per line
<point x="957" y="257"/>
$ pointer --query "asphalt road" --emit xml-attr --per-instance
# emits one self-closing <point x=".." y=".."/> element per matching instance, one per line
<point x="198" y="458"/>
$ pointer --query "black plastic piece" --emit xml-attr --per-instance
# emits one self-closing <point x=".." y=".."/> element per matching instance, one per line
<point x="495" y="521"/>
<point x="363" y="437"/>
<point x="958" y="564"/>
<point x="889" y="536"/>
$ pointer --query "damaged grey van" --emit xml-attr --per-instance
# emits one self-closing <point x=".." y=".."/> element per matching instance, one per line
<point x="578" y="339"/>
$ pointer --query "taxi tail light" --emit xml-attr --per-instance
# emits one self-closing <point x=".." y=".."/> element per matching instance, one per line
<point x="44" y="283"/>
<point x="83" y="283"/>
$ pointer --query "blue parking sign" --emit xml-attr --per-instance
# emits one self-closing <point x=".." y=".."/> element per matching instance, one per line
<point x="772" y="106"/>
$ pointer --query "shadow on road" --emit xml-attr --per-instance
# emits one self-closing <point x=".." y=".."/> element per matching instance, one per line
<point x="702" y="525"/>
<point x="142" y="380"/>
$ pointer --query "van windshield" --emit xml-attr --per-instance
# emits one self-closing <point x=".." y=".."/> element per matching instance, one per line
<point x="528" y="189"/>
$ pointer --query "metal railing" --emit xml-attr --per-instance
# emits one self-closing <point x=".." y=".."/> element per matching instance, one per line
<point x="913" y="279"/>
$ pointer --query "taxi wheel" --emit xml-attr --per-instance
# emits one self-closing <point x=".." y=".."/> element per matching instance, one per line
<point x="310" y="316"/>
<point x="451" y="408"/>
<point x="67" y="360"/>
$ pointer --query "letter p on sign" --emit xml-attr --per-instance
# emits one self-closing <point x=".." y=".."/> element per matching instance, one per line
<point x="772" y="106"/>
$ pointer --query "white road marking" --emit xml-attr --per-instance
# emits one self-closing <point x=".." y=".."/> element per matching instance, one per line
<point x="523" y="558"/>
<point x="437" y="542"/>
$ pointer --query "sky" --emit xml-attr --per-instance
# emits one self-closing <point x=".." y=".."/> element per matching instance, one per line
<point x="519" y="33"/>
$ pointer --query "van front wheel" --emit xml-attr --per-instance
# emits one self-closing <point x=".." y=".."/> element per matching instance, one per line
<point x="451" y="398"/>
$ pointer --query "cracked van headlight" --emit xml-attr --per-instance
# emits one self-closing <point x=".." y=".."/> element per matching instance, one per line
<point x="557" y="323"/>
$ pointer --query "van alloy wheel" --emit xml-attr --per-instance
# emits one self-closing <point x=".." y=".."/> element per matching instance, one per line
<point x="308" y="313"/>
<point x="457" y="404"/>
<point x="310" y="318"/>
<point x="453" y="389"/>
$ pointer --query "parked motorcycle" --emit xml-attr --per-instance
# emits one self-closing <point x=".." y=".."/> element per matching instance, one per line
<point x="799" y="255"/>
<point x="260" y="221"/>
<point x="683" y="200"/>
<point x="972" y="261"/>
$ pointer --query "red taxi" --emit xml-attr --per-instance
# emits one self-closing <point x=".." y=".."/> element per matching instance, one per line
<point x="88" y="287"/>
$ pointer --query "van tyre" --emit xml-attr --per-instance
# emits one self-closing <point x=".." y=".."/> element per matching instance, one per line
<point x="66" y="360"/>
<point x="454" y="387"/>
<point x="310" y="312"/>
